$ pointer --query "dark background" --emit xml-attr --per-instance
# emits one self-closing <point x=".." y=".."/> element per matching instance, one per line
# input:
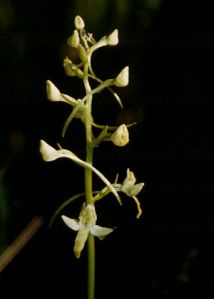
<point x="168" y="45"/>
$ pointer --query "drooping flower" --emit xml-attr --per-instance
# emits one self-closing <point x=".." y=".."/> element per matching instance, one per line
<point x="132" y="190"/>
<point x="85" y="225"/>
<point x="129" y="187"/>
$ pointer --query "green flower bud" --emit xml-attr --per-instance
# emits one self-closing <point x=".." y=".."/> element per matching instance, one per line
<point x="121" y="136"/>
<point x="79" y="23"/>
<point x="112" y="39"/>
<point x="53" y="92"/>
<point x="74" y="40"/>
<point x="122" y="78"/>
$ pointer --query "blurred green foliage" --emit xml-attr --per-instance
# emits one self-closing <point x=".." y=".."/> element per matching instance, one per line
<point x="6" y="14"/>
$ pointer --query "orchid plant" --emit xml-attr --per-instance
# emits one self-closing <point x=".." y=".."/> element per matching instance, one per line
<point x="81" y="109"/>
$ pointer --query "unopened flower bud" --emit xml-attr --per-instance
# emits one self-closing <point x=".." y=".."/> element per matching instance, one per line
<point x="74" y="40"/>
<point x="122" y="78"/>
<point x="48" y="152"/>
<point x="79" y="23"/>
<point x="112" y="39"/>
<point x="53" y="92"/>
<point x="121" y="136"/>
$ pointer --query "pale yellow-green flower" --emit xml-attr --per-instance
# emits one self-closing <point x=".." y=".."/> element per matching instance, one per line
<point x="129" y="187"/>
<point x="132" y="190"/>
<point x="85" y="225"/>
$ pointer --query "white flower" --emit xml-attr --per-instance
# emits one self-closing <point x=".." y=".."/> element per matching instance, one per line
<point x="129" y="187"/>
<point x="112" y="39"/>
<point x="53" y="92"/>
<point x="122" y="78"/>
<point x="84" y="225"/>
<point x="120" y="137"/>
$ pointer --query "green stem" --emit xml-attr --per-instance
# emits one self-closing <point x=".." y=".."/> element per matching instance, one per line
<point x="89" y="146"/>
<point x="91" y="266"/>
<point x="88" y="175"/>
<point x="88" y="181"/>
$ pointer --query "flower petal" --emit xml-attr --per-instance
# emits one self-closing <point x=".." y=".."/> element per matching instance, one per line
<point x="100" y="232"/>
<point x="71" y="223"/>
<point x="135" y="190"/>
<point x="130" y="178"/>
